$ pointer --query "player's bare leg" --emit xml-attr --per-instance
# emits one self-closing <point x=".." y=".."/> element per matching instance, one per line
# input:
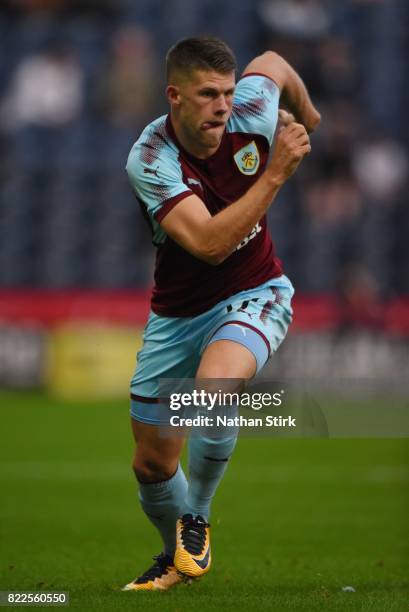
<point x="162" y="490"/>
<point x="227" y="359"/>
<point x="156" y="455"/>
<point x="208" y="458"/>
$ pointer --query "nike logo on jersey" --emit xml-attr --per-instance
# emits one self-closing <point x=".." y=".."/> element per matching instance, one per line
<point x="202" y="563"/>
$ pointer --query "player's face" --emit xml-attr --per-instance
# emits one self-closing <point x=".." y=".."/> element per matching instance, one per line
<point x="202" y="108"/>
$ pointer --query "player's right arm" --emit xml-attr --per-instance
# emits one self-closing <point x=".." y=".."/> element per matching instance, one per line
<point x="213" y="238"/>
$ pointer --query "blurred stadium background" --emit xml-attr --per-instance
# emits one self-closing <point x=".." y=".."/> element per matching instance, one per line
<point x="78" y="82"/>
<point x="79" y="79"/>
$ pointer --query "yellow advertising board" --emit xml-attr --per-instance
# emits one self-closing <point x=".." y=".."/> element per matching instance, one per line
<point x="89" y="361"/>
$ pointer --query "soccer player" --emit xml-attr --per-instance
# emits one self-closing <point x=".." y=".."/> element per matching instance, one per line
<point x="205" y="176"/>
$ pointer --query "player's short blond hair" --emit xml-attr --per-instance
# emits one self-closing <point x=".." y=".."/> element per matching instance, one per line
<point x="199" y="53"/>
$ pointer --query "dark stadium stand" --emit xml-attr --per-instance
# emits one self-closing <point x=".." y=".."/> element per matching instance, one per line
<point x="68" y="218"/>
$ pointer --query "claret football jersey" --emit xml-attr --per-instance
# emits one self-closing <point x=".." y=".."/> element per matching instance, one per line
<point x="162" y="174"/>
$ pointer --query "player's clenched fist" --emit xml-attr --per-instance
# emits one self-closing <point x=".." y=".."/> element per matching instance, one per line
<point x="291" y="145"/>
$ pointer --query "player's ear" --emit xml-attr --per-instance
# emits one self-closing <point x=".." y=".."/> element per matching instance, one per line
<point x="173" y="94"/>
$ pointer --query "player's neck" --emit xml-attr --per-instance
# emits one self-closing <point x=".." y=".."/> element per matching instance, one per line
<point x="189" y="144"/>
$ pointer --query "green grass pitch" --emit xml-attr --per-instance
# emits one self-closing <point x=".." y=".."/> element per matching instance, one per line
<point x="293" y="522"/>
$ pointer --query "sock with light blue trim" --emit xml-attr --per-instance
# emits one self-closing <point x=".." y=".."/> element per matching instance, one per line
<point x="162" y="503"/>
<point x="208" y="460"/>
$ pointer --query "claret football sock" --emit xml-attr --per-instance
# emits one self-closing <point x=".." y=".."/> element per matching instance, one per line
<point x="162" y="503"/>
<point x="208" y="460"/>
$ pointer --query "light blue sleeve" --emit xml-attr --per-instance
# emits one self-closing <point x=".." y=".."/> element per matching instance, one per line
<point x="255" y="106"/>
<point x="156" y="176"/>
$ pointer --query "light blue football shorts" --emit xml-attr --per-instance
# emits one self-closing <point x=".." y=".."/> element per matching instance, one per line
<point x="172" y="347"/>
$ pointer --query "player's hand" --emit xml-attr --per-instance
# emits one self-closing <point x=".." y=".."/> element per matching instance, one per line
<point x="285" y="118"/>
<point x="292" y="144"/>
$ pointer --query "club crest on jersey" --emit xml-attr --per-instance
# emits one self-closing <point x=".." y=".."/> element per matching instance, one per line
<point x="248" y="159"/>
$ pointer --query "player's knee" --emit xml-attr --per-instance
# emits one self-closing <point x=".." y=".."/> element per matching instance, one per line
<point x="151" y="469"/>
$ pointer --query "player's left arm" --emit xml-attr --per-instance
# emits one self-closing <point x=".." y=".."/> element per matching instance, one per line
<point x="294" y="94"/>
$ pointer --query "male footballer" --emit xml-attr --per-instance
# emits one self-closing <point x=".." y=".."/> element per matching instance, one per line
<point x="205" y="176"/>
